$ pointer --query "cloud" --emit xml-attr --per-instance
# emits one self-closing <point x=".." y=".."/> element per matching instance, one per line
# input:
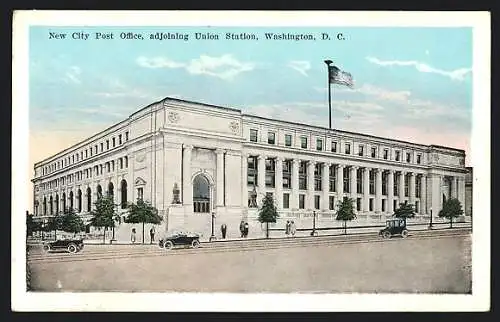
<point x="302" y="66"/>
<point x="73" y="75"/>
<point x="379" y="93"/>
<point x="457" y="74"/>
<point x="225" y="67"/>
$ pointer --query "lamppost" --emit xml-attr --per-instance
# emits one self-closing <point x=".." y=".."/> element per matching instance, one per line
<point x="313" y="233"/>
<point x="430" y="223"/>
<point x="212" y="236"/>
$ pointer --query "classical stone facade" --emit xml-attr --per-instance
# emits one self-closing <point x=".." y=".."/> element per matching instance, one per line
<point x="191" y="160"/>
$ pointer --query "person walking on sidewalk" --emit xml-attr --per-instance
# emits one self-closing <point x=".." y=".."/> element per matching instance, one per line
<point x="293" y="229"/>
<point x="152" y="234"/>
<point x="242" y="228"/>
<point x="245" y="230"/>
<point x="132" y="236"/>
<point x="223" y="229"/>
<point x="287" y="228"/>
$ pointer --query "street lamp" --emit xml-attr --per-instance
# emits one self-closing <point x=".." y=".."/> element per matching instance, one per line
<point x="430" y="223"/>
<point x="212" y="237"/>
<point x="314" y="224"/>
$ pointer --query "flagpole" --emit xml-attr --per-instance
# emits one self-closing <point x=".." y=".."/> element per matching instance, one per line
<point x="328" y="63"/>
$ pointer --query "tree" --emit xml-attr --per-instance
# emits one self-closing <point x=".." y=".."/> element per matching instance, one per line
<point x="451" y="209"/>
<point x="345" y="212"/>
<point x="53" y="224"/>
<point x="268" y="212"/>
<point x="104" y="214"/>
<point x="71" y="222"/>
<point x="142" y="212"/>
<point x="31" y="225"/>
<point x="405" y="211"/>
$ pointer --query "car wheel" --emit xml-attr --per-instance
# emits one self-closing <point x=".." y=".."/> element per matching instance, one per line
<point x="168" y="245"/>
<point x="404" y="233"/>
<point x="195" y="244"/>
<point x="45" y="248"/>
<point x="160" y="244"/>
<point x="72" y="248"/>
<point x="386" y="234"/>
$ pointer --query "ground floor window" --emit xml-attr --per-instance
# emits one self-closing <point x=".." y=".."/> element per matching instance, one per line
<point x="358" y="204"/>
<point x="383" y="205"/>
<point x="316" y="202"/>
<point x="331" y="202"/>
<point x="416" y="206"/>
<point x="394" y="204"/>
<point x="302" y="201"/>
<point x="371" y="204"/>
<point x="286" y="200"/>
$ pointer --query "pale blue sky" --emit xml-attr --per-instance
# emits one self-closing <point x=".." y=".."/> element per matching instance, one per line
<point x="410" y="83"/>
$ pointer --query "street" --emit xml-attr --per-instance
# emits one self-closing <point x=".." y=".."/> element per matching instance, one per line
<point x="437" y="263"/>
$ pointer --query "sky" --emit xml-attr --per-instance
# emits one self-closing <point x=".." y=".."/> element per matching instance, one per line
<point x="411" y="84"/>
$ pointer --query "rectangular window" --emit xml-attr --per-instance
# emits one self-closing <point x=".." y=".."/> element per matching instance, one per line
<point x="140" y="193"/>
<point x="107" y="144"/>
<point x="418" y="186"/>
<point x="394" y="204"/>
<point x="407" y="186"/>
<point x="347" y="176"/>
<point x="302" y="201"/>
<point x="288" y="140"/>
<point x="316" y="202"/>
<point x="331" y="202"/>
<point x="303" y="175"/>
<point x="270" y="172"/>
<point x="126" y="136"/>
<point x="286" y="200"/>
<point x="319" y="144"/>
<point x="398" y="155"/>
<point x="334" y="146"/>
<point x="287" y="174"/>
<point x="119" y="139"/>
<point x="359" y="181"/>
<point x="333" y="178"/>
<point x="372" y="182"/>
<point x="86" y="153"/>
<point x="374" y="152"/>
<point x="318" y="171"/>
<point x="408" y="157"/>
<point x="386" y="154"/>
<point x="102" y="147"/>
<point x="253" y="135"/>
<point x="252" y="171"/>
<point x="396" y="186"/>
<point x="271" y="137"/>
<point x="384" y="183"/>
<point x="419" y="158"/>
<point x="113" y="142"/>
<point x="303" y="142"/>
<point x="361" y="150"/>
<point x="347" y="148"/>
<point x="416" y="206"/>
<point x="358" y="204"/>
<point x="384" y="201"/>
<point x="371" y="204"/>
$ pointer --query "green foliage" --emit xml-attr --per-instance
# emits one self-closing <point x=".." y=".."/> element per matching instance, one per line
<point x="142" y="212"/>
<point x="71" y="222"/>
<point x="451" y="209"/>
<point x="104" y="214"/>
<point x="405" y="211"/>
<point x="32" y="225"/>
<point x="345" y="211"/>
<point x="268" y="212"/>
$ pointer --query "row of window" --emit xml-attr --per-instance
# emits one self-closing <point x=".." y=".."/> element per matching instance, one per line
<point x="81" y="155"/>
<point x="122" y="163"/>
<point x="270" y="177"/>
<point x="271" y="139"/>
<point x="252" y="203"/>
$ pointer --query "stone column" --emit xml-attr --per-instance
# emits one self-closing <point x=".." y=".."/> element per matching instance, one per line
<point x="454" y="191"/>
<point x="279" y="182"/>
<point x="436" y="194"/>
<point x="340" y="182"/>
<point x="353" y="186"/>
<point x="244" y="178"/>
<point x="378" y="190"/>
<point x="220" y="178"/>
<point x="390" y="191"/>
<point x="310" y="185"/>
<point x="187" y="185"/>
<point x="325" y="186"/>
<point x="402" y="177"/>
<point x="461" y="191"/>
<point x="295" y="185"/>
<point x="423" y="195"/>
<point x="411" y="187"/>
<point x="366" y="190"/>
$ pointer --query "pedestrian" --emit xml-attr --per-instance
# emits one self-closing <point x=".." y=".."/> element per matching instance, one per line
<point x="287" y="228"/>
<point x="242" y="228"/>
<point x="132" y="236"/>
<point x="152" y="234"/>
<point x="223" y="229"/>
<point x="245" y="230"/>
<point x="293" y="229"/>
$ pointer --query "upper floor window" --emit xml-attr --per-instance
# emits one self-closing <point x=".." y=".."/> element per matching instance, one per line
<point x="374" y="152"/>
<point x="113" y="142"/>
<point x="271" y="137"/>
<point x="361" y="150"/>
<point x="107" y="144"/>
<point x="347" y="148"/>
<point x="319" y="144"/>
<point x="398" y="155"/>
<point x="408" y="157"/>
<point x="126" y="136"/>
<point x="102" y="146"/>
<point x="303" y="142"/>
<point x="419" y="158"/>
<point x="288" y="140"/>
<point x="334" y="146"/>
<point x="119" y="139"/>
<point x="386" y="154"/>
<point x="253" y="135"/>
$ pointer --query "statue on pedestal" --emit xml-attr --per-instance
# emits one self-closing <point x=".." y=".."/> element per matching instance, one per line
<point x="176" y="192"/>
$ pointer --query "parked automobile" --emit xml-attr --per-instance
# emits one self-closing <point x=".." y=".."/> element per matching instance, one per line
<point x="394" y="227"/>
<point x="70" y="244"/>
<point x="179" y="238"/>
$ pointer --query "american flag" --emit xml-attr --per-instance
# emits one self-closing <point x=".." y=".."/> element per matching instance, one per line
<point x="340" y="77"/>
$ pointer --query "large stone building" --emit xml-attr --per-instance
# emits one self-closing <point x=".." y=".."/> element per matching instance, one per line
<point x="191" y="160"/>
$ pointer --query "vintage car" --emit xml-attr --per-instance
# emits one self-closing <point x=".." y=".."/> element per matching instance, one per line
<point x="394" y="227"/>
<point x="69" y="244"/>
<point x="179" y="238"/>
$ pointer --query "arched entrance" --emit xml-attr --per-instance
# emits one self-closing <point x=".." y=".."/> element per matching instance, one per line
<point x="201" y="194"/>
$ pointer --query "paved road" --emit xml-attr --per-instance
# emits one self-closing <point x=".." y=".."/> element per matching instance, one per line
<point x="431" y="264"/>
